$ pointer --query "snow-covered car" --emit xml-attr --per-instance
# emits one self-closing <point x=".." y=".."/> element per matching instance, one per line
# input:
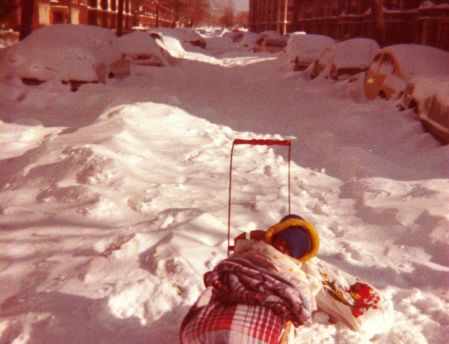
<point x="8" y="38"/>
<point x="303" y="49"/>
<point x="184" y="35"/>
<point x="345" y="59"/>
<point x="245" y="38"/>
<point x="72" y="54"/>
<point x="271" y="44"/>
<point x="394" y="66"/>
<point x="143" y="48"/>
<point x="429" y="97"/>
<point x="270" y="41"/>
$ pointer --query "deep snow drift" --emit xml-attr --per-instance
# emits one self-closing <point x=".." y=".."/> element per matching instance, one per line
<point x="113" y="199"/>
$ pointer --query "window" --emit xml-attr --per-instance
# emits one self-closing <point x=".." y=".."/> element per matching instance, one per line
<point x="58" y="17"/>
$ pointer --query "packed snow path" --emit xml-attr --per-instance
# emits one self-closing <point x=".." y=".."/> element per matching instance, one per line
<point x="113" y="199"/>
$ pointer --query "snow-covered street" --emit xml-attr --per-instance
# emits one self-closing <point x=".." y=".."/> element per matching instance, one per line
<point x="113" y="199"/>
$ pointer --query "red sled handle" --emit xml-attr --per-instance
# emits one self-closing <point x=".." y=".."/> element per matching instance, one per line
<point x="255" y="142"/>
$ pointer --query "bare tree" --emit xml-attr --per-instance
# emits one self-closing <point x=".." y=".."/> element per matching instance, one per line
<point x="7" y="7"/>
<point x="192" y="11"/>
<point x="227" y="17"/>
<point x="377" y="10"/>
<point x="242" y="18"/>
<point x="26" y="22"/>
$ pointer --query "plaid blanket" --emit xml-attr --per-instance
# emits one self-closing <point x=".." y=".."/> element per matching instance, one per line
<point x="236" y="324"/>
<point x="246" y="301"/>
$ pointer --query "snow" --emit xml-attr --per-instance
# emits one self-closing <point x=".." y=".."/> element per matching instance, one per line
<point x="184" y="35"/>
<point x="64" y="52"/>
<point x="413" y="60"/>
<point x="431" y="95"/>
<point x="355" y="52"/>
<point x="306" y="47"/>
<point x="425" y="87"/>
<point x="141" y="44"/>
<point x="113" y="199"/>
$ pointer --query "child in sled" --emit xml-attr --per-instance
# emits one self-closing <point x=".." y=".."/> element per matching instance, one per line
<point x="270" y="285"/>
<point x="260" y="291"/>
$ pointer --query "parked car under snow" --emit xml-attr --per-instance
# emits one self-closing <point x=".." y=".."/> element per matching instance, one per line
<point x="303" y="49"/>
<point x="429" y="97"/>
<point x="186" y="36"/>
<point x="345" y="59"/>
<point x="72" y="54"/>
<point x="270" y="41"/>
<point x="394" y="66"/>
<point x="143" y="48"/>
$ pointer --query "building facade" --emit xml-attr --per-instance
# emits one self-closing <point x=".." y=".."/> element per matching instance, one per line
<point x="404" y="21"/>
<point x="102" y="13"/>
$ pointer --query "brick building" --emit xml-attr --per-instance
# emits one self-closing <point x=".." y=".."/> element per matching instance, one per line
<point x="405" y="21"/>
<point x="100" y="12"/>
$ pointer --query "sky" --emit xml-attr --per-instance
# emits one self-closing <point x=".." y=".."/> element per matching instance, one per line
<point x="241" y="5"/>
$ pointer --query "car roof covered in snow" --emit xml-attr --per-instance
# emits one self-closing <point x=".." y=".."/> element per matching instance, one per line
<point x="138" y="42"/>
<point x="416" y="59"/>
<point x="354" y="52"/>
<point x="307" y="46"/>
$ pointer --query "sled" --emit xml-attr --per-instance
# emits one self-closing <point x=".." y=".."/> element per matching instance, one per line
<point x="288" y="329"/>
<point x="344" y="297"/>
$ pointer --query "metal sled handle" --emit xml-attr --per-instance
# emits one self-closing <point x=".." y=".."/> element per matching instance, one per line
<point x="255" y="142"/>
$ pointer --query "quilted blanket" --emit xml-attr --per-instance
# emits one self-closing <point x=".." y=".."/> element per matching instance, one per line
<point x="247" y="300"/>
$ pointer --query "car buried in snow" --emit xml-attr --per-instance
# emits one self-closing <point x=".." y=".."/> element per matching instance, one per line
<point x="186" y="36"/>
<point x="394" y="66"/>
<point x="271" y="42"/>
<point x="70" y="54"/>
<point x="429" y="97"/>
<point x="303" y="49"/>
<point x="144" y="48"/>
<point x="344" y="59"/>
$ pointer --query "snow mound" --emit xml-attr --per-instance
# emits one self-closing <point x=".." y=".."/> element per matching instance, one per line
<point x="89" y="179"/>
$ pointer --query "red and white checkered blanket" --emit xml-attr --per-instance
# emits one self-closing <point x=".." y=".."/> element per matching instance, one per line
<point x="246" y="301"/>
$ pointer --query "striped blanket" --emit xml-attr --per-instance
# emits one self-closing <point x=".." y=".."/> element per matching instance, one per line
<point x="246" y="301"/>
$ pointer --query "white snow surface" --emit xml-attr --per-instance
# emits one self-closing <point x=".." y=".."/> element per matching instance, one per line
<point x="113" y="199"/>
